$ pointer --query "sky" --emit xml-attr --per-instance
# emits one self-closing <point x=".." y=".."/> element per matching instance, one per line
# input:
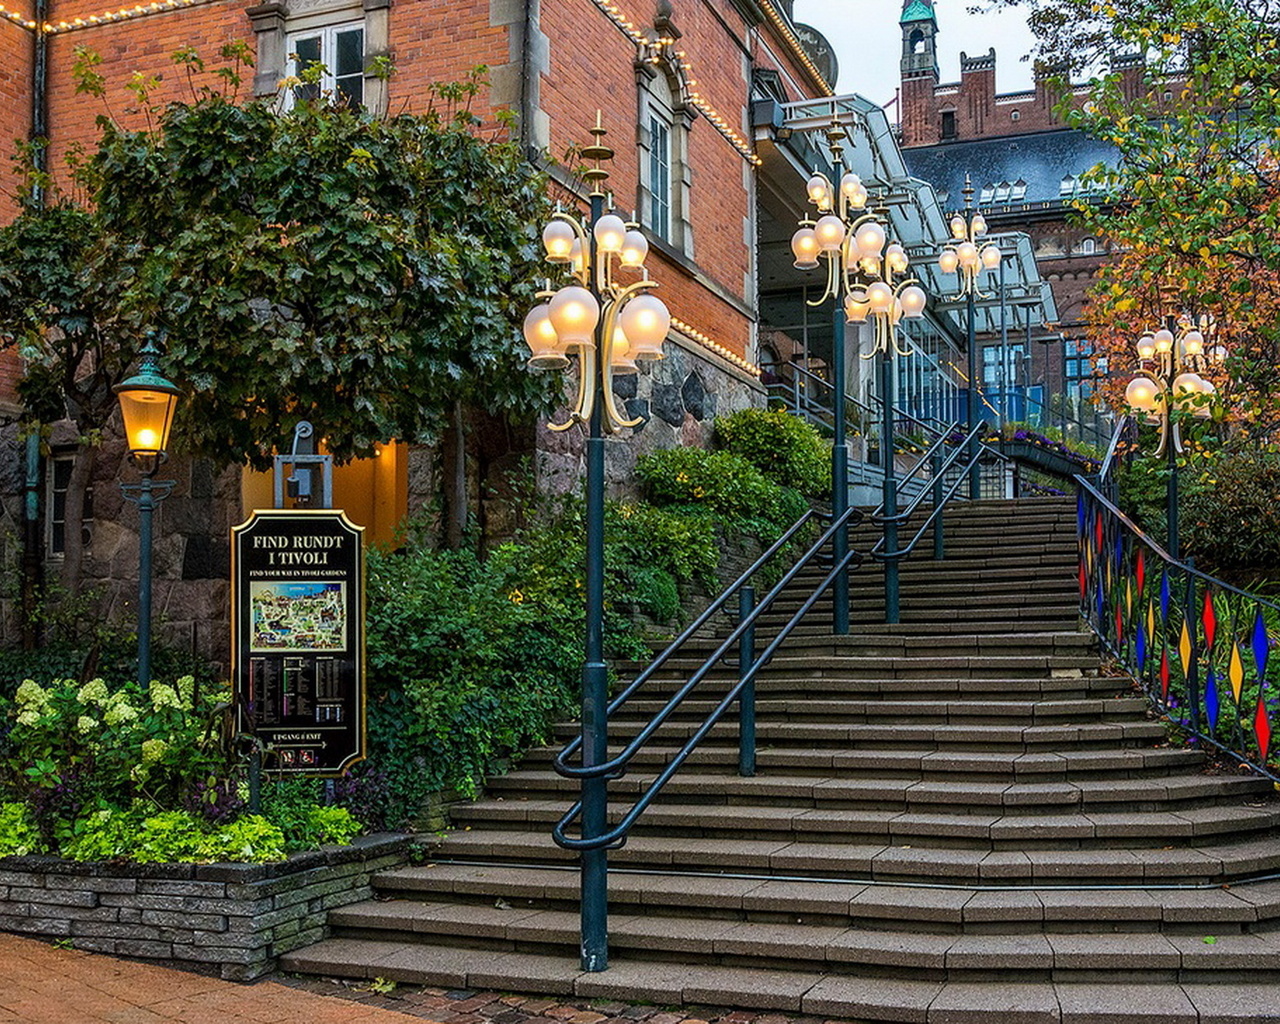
<point x="868" y="42"/>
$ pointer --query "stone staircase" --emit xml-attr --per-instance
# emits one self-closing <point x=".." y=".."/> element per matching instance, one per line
<point x="954" y="819"/>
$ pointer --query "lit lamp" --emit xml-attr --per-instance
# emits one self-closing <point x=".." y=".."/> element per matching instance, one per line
<point x="147" y="401"/>
<point x="866" y="280"/>
<point x="967" y="255"/>
<point x="604" y="315"/>
<point x="1169" y="382"/>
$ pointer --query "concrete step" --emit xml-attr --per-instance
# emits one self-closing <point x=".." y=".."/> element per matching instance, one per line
<point x="1221" y="910"/>
<point x="1171" y="995"/>
<point x="978" y="765"/>
<point x="828" y="947"/>
<point x="909" y="667"/>
<point x="896" y="793"/>
<point x="1209" y="861"/>
<point x="995" y="830"/>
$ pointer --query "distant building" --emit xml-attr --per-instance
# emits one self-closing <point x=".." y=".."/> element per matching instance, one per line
<point x="1025" y="166"/>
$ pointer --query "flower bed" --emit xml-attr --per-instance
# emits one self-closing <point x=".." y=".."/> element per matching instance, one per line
<point x="238" y="918"/>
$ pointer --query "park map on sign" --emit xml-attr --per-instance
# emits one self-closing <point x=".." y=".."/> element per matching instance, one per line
<point x="297" y="617"/>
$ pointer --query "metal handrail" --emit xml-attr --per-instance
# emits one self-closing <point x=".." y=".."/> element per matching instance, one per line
<point x="1159" y="550"/>
<point x="561" y="764"/>
<point x="941" y="441"/>
<point x="934" y="427"/>
<point x="1179" y="632"/>
<point x="1108" y="462"/>
<point x="615" y="766"/>
<point x="961" y="446"/>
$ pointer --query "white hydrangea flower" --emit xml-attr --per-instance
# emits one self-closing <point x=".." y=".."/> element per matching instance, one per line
<point x="164" y="696"/>
<point x="93" y="692"/>
<point x="86" y="724"/>
<point x="28" y="718"/>
<point x="119" y="713"/>
<point x="153" y="750"/>
<point x="31" y="695"/>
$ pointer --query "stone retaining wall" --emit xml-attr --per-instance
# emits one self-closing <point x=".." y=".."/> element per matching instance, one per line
<point x="236" y="917"/>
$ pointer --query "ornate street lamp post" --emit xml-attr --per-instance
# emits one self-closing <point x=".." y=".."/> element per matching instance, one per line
<point x="966" y="255"/>
<point x="609" y="326"/>
<point x="865" y="280"/>
<point x="1169" y="382"/>
<point x="147" y="401"/>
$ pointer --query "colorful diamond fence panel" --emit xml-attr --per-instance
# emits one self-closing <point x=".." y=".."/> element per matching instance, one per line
<point x="1200" y="647"/>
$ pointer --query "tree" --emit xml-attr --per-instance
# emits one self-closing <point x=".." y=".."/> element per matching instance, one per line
<point x="1192" y="207"/>
<point x="366" y="273"/>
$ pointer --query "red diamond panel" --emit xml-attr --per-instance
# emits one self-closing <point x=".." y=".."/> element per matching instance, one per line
<point x="1210" y="620"/>
<point x="1262" y="729"/>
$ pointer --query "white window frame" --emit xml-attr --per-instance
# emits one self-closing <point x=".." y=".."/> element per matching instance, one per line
<point x="328" y="36"/>
<point x="660" y="128"/>
<point x="52" y="492"/>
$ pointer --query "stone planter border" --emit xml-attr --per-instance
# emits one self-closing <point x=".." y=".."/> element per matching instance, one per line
<point x="238" y="918"/>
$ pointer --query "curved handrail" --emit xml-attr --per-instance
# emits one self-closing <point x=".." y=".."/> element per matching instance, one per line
<point x="617" y="835"/>
<point x="620" y="760"/>
<point x="560" y="763"/>
<point x="1160" y="551"/>
<point x="941" y="441"/>
<point x="932" y="424"/>
<point x="1202" y="650"/>
<point x="961" y="447"/>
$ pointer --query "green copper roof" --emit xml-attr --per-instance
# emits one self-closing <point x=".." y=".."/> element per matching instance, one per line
<point x="918" y="10"/>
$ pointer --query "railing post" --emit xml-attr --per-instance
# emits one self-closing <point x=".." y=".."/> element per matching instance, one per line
<point x="939" y="542"/>
<point x="1193" y="662"/>
<point x="890" y="492"/>
<point x="747" y="698"/>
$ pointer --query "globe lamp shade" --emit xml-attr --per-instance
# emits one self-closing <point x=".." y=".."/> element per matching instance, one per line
<point x="896" y="257"/>
<point x="635" y="250"/>
<point x="979" y="225"/>
<point x="856" y="308"/>
<point x="854" y="192"/>
<point x="574" y="313"/>
<point x="958" y="226"/>
<point x="1143" y="396"/>
<point x="1146" y="347"/>
<point x="913" y="301"/>
<point x="880" y="297"/>
<point x="819" y="190"/>
<point x="1164" y="341"/>
<point x="990" y="255"/>
<point x="147" y="402"/>
<point x="948" y="261"/>
<point x="557" y="239"/>
<point x="967" y="253"/>
<point x="645" y="321"/>
<point x="830" y="232"/>
<point x="871" y="239"/>
<point x="1192" y="343"/>
<point x="610" y="232"/>
<point x="621" y="359"/>
<point x="805" y="248"/>
<point x="543" y="342"/>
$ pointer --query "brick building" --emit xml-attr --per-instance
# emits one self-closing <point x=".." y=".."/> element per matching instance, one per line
<point x="675" y="83"/>
<point x="1025" y="165"/>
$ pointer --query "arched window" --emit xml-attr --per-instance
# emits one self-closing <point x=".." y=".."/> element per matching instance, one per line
<point x="665" y="118"/>
<point x="916" y="42"/>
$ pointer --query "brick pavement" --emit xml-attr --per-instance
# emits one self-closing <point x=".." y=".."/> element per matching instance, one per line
<point x="45" y="984"/>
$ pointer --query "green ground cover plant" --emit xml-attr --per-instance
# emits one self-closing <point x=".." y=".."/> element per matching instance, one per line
<point x="96" y="772"/>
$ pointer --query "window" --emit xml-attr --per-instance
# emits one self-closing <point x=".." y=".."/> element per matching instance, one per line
<point x="949" y="124"/>
<point x="1068" y="186"/>
<point x="659" y="176"/>
<point x="1002" y="365"/>
<point x="1019" y="191"/>
<point x="1014" y="115"/>
<point x="340" y="48"/>
<point x="1088" y="247"/>
<point x="1080" y="369"/>
<point x="55" y="511"/>
<point x="663" y="199"/>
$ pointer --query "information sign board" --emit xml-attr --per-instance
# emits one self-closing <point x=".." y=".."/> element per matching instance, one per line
<point x="297" y="638"/>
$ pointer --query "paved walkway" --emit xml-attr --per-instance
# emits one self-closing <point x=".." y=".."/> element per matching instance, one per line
<point x="44" y="984"/>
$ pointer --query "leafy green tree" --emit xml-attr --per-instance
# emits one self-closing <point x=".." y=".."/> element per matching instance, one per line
<point x="366" y="273"/>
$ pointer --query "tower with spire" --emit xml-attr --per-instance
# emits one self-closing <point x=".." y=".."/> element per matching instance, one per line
<point x="919" y="66"/>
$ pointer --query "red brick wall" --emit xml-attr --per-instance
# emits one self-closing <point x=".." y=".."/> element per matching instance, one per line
<point x="16" y="49"/>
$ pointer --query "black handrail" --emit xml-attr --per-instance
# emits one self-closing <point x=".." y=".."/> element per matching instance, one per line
<point x="561" y="764"/>
<point x="616" y="765"/>
<point x="961" y="447"/>
<point x="940" y="501"/>
<point x="941" y="441"/>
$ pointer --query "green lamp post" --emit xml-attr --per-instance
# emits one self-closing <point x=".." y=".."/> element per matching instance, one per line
<point x="147" y="401"/>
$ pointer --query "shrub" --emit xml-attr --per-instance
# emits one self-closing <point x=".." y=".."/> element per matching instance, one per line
<point x="720" y="482"/>
<point x="171" y="836"/>
<point x="783" y="447"/>
<point x="1232" y="520"/>
<point x="18" y="833"/>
